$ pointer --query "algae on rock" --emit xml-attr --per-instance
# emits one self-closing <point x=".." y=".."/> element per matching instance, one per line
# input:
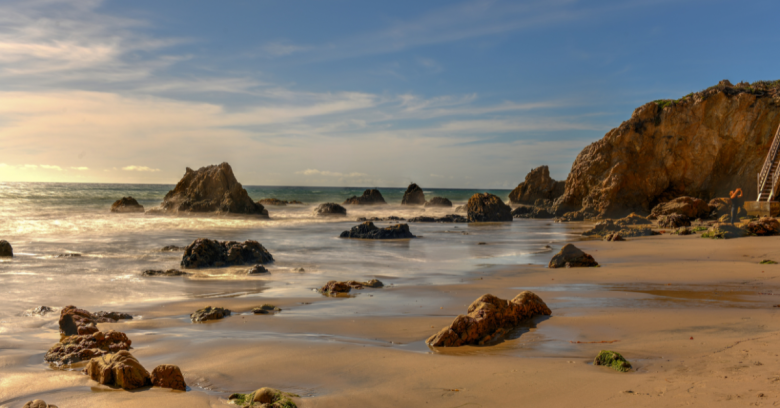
<point x="613" y="360"/>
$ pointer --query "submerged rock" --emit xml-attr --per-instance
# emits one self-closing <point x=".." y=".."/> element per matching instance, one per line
<point x="687" y="206"/>
<point x="120" y="369"/>
<point x="487" y="207"/>
<point x="335" y="287"/>
<point x="488" y="319"/>
<point x="126" y="205"/>
<point x="266" y="309"/>
<point x="379" y="219"/>
<point x="673" y="221"/>
<point x="369" y="197"/>
<point x="613" y="360"/>
<point x="211" y="189"/>
<point x="169" y="272"/>
<point x="446" y="218"/>
<point x="272" y="201"/>
<point x="256" y="270"/>
<point x="203" y="253"/>
<point x="76" y="348"/>
<point x="613" y="237"/>
<point x="6" y="249"/>
<point x="168" y="376"/>
<point x="537" y="185"/>
<point x="413" y="195"/>
<point x="171" y="248"/>
<point x="438" y="202"/>
<point x="264" y="397"/>
<point x="111" y="317"/>
<point x="330" y="209"/>
<point x="38" y="404"/>
<point x="209" y="313"/>
<point x="69" y="255"/>
<point x="763" y="226"/>
<point x="571" y="256"/>
<point x="40" y="311"/>
<point x="368" y="230"/>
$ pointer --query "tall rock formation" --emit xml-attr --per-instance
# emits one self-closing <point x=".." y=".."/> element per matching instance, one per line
<point x="701" y="145"/>
<point x="211" y="189"/>
<point x="537" y="185"/>
<point x="413" y="196"/>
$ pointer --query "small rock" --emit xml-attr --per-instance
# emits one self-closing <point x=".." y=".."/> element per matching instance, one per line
<point x="446" y="218"/>
<point x="572" y="256"/>
<point x="369" y="197"/>
<point x="368" y="230"/>
<point x="209" y="313"/>
<point x="70" y="255"/>
<point x="120" y="369"/>
<point x="265" y="398"/>
<point x="266" y="309"/>
<point x="38" y="404"/>
<point x="301" y="270"/>
<point x="110" y="317"/>
<point x="169" y="272"/>
<point x="205" y="252"/>
<point x="272" y="201"/>
<point x="172" y="248"/>
<point x="168" y="376"/>
<point x="41" y="310"/>
<point x="330" y="209"/>
<point x="126" y="205"/>
<point x="764" y="226"/>
<point x="5" y="249"/>
<point x="673" y="221"/>
<point x="256" y="270"/>
<point x="613" y="360"/>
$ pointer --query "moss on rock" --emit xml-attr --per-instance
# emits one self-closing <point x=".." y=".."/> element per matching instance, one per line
<point x="612" y="359"/>
<point x="265" y="397"/>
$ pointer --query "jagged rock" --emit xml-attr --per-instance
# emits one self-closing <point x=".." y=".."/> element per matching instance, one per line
<point x="438" y="202"/>
<point x="612" y="360"/>
<point x="615" y="236"/>
<point x="367" y="230"/>
<point x="537" y="184"/>
<point x="413" y="196"/>
<point x="487" y="207"/>
<point x="75" y="321"/>
<point x="446" y="218"/>
<point x="272" y="201"/>
<point x="633" y="219"/>
<point x="203" y="253"/>
<point x="571" y="216"/>
<point x="120" y="369"/>
<point x="488" y="319"/>
<point x="602" y="227"/>
<point x="369" y="197"/>
<point x="266" y="309"/>
<point x="724" y="231"/>
<point x="41" y="311"/>
<point x="264" y="398"/>
<point x="126" y="205"/>
<point x="571" y="256"/>
<point x="38" y="404"/>
<point x="673" y="221"/>
<point x="522" y="210"/>
<point x="763" y="226"/>
<point x="168" y="376"/>
<point x="6" y="249"/>
<point x="72" y="349"/>
<point x="171" y="248"/>
<point x="703" y="145"/>
<point x="688" y="206"/>
<point x="169" y="272"/>
<point x="460" y="209"/>
<point x="330" y="209"/>
<point x="720" y="206"/>
<point x="210" y="189"/>
<point x="256" y="270"/>
<point x="209" y="313"/>
<point x="111" y="317"/>
<point x="377" y="219"/>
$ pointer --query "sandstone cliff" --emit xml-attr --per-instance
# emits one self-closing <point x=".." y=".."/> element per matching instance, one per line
<point x="702" y="145"/>
<point x="537" y="185"/>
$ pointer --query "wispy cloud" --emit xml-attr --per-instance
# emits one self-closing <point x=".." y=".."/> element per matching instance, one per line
<point x="139" y="168"/>
<point x="80" y="168"/>
<point x="51" y="167"/>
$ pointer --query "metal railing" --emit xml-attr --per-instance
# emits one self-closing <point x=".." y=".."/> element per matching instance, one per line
<point x="764" y="176"/>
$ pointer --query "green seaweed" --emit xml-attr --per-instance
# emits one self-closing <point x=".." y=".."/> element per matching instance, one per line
<point x="613" y="360"/>
<point x="699" y="228"/>
<point x="281" y="400"/>
<point x="768" y="262"/>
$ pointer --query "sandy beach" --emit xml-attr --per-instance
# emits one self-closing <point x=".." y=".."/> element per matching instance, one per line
<point x="698" y="325"/>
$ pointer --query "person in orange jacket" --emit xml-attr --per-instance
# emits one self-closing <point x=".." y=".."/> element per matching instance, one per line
<point x="737" y="202"/>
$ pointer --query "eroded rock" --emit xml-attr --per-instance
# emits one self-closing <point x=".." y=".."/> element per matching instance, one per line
<point x="336" y="287"/>
<point x="209" y="313"/>
<point x="126" y="205"/>
<point x="120" y="369"/>
<point x="763" y="226"/>
<point x="168" y="376"/>
<point x="76" y="348"/>
<point x="368" y="230"/>
<point x="486" y="207"/>
<point x="413" y="195"/>
<point x="687" y="206"/>
<point x="571" y="256"/>
<point x="537" y="185"/>
<point x="673" y="221"/>
<point x="369" y="197"/>
<point x="203" y="253"/>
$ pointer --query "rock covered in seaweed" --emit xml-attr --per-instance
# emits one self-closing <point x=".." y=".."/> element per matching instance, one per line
<point x="413" y="195"/>
<point x="368" y="230"/>
<point x="209" y="313"/>
<point x="264" y="397"/>
<point x="6" y="249"/>
<point x="571" y="256"/>
<point x="724" y="231"/>
<point x="486" y="207"/>
<point x="211" y="189"/>
<point x="488" y="319"/>
<point x="330" y="209"/>
<point x="203" y="253"/>
<point x="168" y="376"/>
<point x="538" y="184"/>
<point x="126" y="205"/>
<point x="613" y="360"/>
<point x="438" y="202"/>
<point x="120" y="369"/>
<point x="369" y="197"/>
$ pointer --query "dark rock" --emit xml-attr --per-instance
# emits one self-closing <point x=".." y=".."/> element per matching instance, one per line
<point x="294" y="202"/>
<point x="6" y="249"/>
<point x="169" y="272"/>
<point x="537" y="185"/>
<point x="571" y="256"/>
<point x="41" y="311"/>
<point x="369" y="197"/>
<point x="330" y="209"/>
<point x="688" y="206"/>
<point x="446" y="218"/>
<point x="367" y="230"/>
<point x="70" y="255"/>
<point x="211" y="189"/>
<point x="266" y="309"/>
<point x="461" y="209"/>
<point x="720" y="206"/>
<point x="256" y="270"/>
<point x="438" y="202"/>
<point x="724" y="231"/>
<point x="764" y="226"/>
<point x="378" y="219"/>
<point x="119" y="369"/>
<point x="126" y="205"/>
<point x="488" y="319"/>
<point x="272" y="201"/>
<point x="335" y="287"/>
<point x="168" y="376"/>
<point x="76" y="348"/>
<point x="209" y="313"/>
<point x="571" y="216"/>
<point x="203" y="253"/>
<point x="673" y="221"/>
<point x="612" y="360"/>
<point x="522" y="210"/>
<point x="615" y="236"/>
<point x="111" y="317"/>
<point x="413" y="196"/>
<point x="633" y="219"/>
<point x="488" y="208"/>
<point x="543" y="203"/>
<point x="171" y="248"/>
<point x="75" y="321"/>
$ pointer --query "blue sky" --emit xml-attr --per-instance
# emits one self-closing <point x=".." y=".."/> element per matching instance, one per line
<point x="443" y="93"/>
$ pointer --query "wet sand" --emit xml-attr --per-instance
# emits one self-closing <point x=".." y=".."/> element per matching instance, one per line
<point x="694" y="316"/>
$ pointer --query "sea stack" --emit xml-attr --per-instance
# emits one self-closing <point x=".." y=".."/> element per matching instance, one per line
<point x="126" y="205"/>
<point x="413" y="196"/>
<point x="487" y="207"/>
<point x="369" y="197"/>
<point x="537" y="185"/>
<point x="211" y="189"/>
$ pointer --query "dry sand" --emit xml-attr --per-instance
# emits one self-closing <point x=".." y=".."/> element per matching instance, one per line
<point x="694" y="316"/>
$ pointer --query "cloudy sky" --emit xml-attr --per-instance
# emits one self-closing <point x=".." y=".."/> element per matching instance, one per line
<point x="350" y="93"/>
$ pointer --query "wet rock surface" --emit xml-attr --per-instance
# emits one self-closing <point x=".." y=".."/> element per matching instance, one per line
<point x="163" y="273"/>
<point x="488" y="319"/>
<point x="168" y="376"/>
<point x="172" y="248"/>
<point x="256" y="270"/>
<point x="673" y="221"/>
<point x="369" y="197"/>
<point x="330" y="209"/>
<point x="413" y="195"/>
<point x="40" y="311"/>
<point x="336" y="287"/>
<point x="368" y="230"/>
<point x="203" y="253"/>
<point x="209" y="313"/>
<point x="126" y="205"/>
<point x="438" y="202"/>
<point x="120" y="369"/>
<point x="486" y="207"/>
<point x="571" y="256"/>
<point x="690" y="207"/>
<point x="76" y="348"/>
<point x="272" y="201"/>
<point x="447" y="218"/>
<point x="6" y="250"/>
<point x="266" y="309"/>
<point x="538" y="184"/>
<point x="211" y="189"/>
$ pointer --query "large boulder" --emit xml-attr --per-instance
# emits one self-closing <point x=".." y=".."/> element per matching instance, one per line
<point x="204" y="253"/>
<point x="701" y="145"/>
<point x="488" y="319"/>
<point x="538" y="184"/>
<point x="330" y="209"/>
<point x="367" y="230"/>
<point x="486" y="207"/>
<point x="120" y="369"/>
<point x="763" y="226"/>
<point x="369" y="197"/>
<point x="73" y="349"/>
<point x="5" y="249"/>
<point x="571" y="256"/>
<point x="720" y="206"/>
<point x="673" y="221"/>
<point x="126" y="205"/>
<point x="413" y="196"/>
<point x="690" y="207"/>
<point x="211" y="189"/>
<point x="168" y="376"/>
<point x="438" y="202"/>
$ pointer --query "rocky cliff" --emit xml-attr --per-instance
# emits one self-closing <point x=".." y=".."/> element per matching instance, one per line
<point x="537" y="185"/>
<point x="701" y="145"/>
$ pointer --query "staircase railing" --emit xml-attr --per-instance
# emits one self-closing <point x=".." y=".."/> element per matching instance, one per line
<point x="764" y="176"/>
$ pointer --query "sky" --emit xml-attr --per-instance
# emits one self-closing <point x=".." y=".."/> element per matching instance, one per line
<point x="450" y="94"/>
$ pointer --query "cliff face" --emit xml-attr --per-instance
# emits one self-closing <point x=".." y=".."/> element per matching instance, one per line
<point x="702" y="145"/>
<point x="537" y="185"/>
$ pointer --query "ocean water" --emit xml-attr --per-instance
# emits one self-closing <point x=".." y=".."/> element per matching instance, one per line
<point x="44" y="220"/>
